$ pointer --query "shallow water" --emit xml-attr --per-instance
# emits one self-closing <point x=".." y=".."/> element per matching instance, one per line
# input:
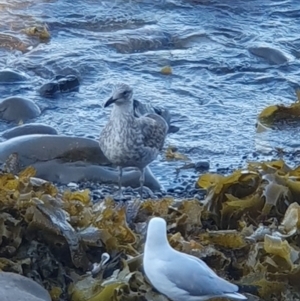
<point x="217" y="88"/>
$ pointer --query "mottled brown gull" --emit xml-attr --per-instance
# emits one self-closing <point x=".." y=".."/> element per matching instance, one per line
<point x="129" y="141"/>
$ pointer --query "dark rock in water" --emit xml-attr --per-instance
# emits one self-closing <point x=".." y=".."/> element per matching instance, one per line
<point x="68" y="83"/>
<point x="141" y="109"/>
<point x="49" y="89"/>
<point x="65" y="159"/>
<point x="271" y="55"/>
<point x="17" y="109"/>
<point x="202" y="165"/>
<point x="17" y="287"/>
<point x="28" y="129"/>
<point x="62" y="84"/>
<point x="11" y="77"/>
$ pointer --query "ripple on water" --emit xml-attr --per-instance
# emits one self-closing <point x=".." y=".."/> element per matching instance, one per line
<point x="217" y="88"/>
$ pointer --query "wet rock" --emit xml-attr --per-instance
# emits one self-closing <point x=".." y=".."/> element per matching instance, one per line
<point x="17" y="109"/>
<point x="223" y="170"/>
<point x="159" y="195"/>
<point x="198" y="196"/>
<point x="28" y="129"/>
<point x="49" y="89"/>
<point x="66" y="159"/>
<point x="188" y="187"/>
<point x="60" y="84"/>
<point x="19" y="288"/>
<point x="202" y="165"/>
<point x="170" y="190"/>
<point x="271" y="55"/>
<point x="149" y="38"/>
<point x="40" y="32"/>
<point x="9" y="76"/>
<point x="11" y="42"/>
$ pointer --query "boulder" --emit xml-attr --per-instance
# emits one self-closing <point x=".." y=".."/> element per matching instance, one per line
<point x="11" y="77"/>
<point x="271" y="55"/>
<point x="18" y="109"/>
<point x="28" y="129"/>
<point x="19" y="288"/>
<point x="66" y="159"/>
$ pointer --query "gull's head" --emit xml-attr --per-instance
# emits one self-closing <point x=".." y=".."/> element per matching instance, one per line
<point x="157" y="224"/>
<point x="121" y="95"/>
<point x="156" y="233"/>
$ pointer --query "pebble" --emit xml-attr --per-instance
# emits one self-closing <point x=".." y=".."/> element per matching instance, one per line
<point x="96" y="195"/>
<point x="223" y="170"/>
<point x="73" y="185"/>
<point x="180" y="188"/>
<point x="188" y="187"/>
<point x="184" y="176"/>
<point x="198" y="196"/>
<point x="170" y="190"/>
<point x="184" y="188"/>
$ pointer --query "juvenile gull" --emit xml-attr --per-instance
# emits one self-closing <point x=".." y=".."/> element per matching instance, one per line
<point x="129" y="141"/>
<point x="179" y="276"/>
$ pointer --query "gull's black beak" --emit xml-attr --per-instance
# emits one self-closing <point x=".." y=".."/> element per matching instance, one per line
<point x="109" y="102"/>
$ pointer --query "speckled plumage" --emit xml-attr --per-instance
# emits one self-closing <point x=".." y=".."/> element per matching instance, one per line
<point x="128" y="141"/>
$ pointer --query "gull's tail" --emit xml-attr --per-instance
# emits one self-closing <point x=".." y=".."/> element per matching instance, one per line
<point x="235" y="296"/>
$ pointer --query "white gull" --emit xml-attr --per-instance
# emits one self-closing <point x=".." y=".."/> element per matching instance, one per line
<point x="179" y="276"/>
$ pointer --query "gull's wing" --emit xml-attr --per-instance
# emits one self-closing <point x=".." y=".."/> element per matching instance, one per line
<point x="154" y="130"/>
<point x="195" y="278"/>
<point x="141" y="109"/>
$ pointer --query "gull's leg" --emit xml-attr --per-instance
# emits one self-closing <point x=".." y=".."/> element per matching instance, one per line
<point x="143" y="188"/>
<point x="142" y="180"/>
<point x="120" y="181"/>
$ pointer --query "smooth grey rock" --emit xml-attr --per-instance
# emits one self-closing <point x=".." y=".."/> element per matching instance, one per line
<point x="28" y="129"/>
<point x="271" y="55"/>
<point x="66" y="159"/>
<point x="11" y="77"/>
<point x="15" y="287"/>
<point x="79" y="171"/>
<point x="17" y="109"/>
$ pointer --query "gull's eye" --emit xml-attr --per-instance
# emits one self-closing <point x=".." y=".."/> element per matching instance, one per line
<point x="125" y="93"/>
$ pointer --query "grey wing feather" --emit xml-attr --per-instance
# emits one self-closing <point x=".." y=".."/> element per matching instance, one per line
<point x="154" y="129"/>
<point x="195" y="277"/>
<point x="141" y="108"/>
